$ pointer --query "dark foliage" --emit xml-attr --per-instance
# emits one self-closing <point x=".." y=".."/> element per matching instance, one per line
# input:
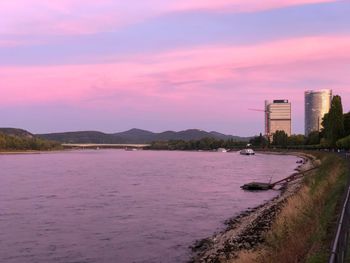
<point x="18" y="143"/>
<point x="259" y="141"/>
<point x="347" y="124"/>
<point x="204" y="144"/>
<point x="333" y="122"/>
<point x="280" y="138"/>
<point x="313" y="138"/>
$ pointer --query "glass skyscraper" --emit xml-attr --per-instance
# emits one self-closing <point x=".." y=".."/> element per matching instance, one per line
<point x="317" y="104"/>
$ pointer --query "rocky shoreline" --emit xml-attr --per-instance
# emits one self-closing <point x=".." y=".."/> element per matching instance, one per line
<point x="246" y="231"/>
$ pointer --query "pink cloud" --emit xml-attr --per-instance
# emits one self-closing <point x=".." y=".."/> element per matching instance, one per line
<point x="10" y="43"/>
<point x="208" y="83"/>
<point x="214" y="72"/>
<point x="58" y="17"/>
<point x="241" y="6"/>
<point x="89" y="16"/>
<point x="17" y="42"/>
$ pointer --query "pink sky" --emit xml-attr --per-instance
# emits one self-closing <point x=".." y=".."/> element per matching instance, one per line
<point x="207" y="64"/>
<point x="177" y="81"/>
<point x="88" y="16"/>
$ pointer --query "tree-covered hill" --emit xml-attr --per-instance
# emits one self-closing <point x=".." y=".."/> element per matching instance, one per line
<point x="136" y="136"/>
<point x="21" y="140"/>
<point x="16" y="132"/>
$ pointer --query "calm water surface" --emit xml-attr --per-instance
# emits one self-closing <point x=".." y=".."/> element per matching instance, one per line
<point x="119" y="206"/>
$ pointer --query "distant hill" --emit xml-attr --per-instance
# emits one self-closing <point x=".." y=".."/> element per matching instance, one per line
<point x="135" y="136"/>
<point x="16" y="132"/>
<point x="82" y="137"/>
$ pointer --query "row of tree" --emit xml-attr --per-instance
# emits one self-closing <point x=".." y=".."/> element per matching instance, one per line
<point x="205" y="144"/>
<point x="17" y="143"/>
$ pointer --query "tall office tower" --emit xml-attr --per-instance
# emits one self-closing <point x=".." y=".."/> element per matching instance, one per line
<point x="278" y="117"/>
<point x="317" y="104"/>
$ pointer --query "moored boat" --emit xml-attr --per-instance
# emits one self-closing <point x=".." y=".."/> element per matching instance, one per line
<point x="131" y="149"/>
<point x="221" y="150"/>
<point x="247" y="151"/>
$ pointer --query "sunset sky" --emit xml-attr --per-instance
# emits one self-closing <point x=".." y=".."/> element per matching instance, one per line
<point x="112" y="65"/>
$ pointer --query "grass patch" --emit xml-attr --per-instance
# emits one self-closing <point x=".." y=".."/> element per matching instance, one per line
<point x="304" y="229"/>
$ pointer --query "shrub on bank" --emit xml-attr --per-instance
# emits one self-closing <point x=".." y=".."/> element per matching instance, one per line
<point x="344" y="143"/>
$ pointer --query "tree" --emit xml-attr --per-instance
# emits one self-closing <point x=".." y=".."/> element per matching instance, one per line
<point x="313" y="138"/>
<point x="259" y="141"/>
<point x="347" y="124"/>
<point x="325" y="126"/>
<point x="298" y="139"/>
<point x="333" y="122"/>
<point x="344" y="142"/>
<point x="206" y="143"/>
<point x="280" y="138"/>
<point x="14" y="142"/>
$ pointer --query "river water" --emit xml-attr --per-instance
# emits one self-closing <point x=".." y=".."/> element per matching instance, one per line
<point x="123" y="206"/>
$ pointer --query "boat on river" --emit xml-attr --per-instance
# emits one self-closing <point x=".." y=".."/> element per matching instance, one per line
<point x="221" y="150"/>
<point x="131" y="149"/>
<point x="247" y="151"/>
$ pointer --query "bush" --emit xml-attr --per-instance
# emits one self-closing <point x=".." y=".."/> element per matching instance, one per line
<point x="344" y="143"/>
<point x="18" y="143"/>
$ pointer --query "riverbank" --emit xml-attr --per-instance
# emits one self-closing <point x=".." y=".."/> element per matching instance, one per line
<point x="30" y="152"/>
<point x="19" y="152"/>
<point x="248" y="231"/>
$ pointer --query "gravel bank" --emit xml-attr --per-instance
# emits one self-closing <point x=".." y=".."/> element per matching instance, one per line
<point x="246" y="231"/>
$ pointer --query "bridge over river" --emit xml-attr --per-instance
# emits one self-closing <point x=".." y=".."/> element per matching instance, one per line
<point x="103" y="145"/>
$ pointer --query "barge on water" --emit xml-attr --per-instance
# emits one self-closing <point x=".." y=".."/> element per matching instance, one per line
<point x="257" y="186"/>
<point x="267" y="186"/>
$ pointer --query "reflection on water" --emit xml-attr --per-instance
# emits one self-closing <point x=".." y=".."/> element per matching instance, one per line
<point x="120" y="206"/>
